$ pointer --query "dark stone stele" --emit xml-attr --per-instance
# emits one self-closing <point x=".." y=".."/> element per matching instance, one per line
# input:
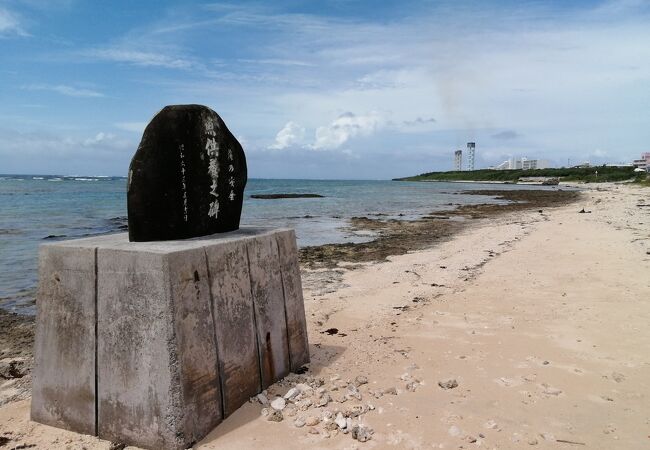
<point x="187" y="177"/>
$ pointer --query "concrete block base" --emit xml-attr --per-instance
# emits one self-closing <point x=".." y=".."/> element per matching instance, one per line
<point x="154" y="343"/>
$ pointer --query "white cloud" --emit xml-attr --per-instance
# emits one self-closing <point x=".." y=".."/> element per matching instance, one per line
<point x="62" y="89"/>
<point x="99" y="138"/>
<point x="291" y="134"/>
<point x="277" y="62"/>
<point x="10" y="24"/>
<point x="52" y="145"/>
<point x="139" y="58"/>
<point x="345" y="127"/>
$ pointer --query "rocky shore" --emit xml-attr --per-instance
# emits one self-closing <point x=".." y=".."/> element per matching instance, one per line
<point x="397" y="237"/>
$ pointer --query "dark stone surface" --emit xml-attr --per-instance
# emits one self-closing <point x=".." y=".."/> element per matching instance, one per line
<point x="187" y="177"/>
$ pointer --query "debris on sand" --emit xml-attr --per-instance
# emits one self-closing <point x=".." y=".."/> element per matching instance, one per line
<point x="309" y="399"/>
<point x="449" y="383"/>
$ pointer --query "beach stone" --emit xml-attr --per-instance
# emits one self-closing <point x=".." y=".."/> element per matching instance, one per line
<point x="360" y="380"/>
<point x="340" y="421"/>
<point x="449" y="383"/>
<point x="278" y="403"/>
<point x="275" y="416"/>
<point x="291" y="393"/>
<point x="361" y="433"/>
<point x="299" y="422"/>
<point x="186" y="178"/>
<point x="312" y="421"/>
<point x="263" y="399"/>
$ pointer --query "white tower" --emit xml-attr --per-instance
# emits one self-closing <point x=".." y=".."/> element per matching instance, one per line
<point x="471" y="147"/>
<point x="458" y="160"/>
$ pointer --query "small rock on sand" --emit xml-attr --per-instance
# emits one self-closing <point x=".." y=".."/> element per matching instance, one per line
<point x="278" y="403"/>
<point x="299" y="422"/>
<point x="360" y="380"/>
<point x="361" y="433"/>
<point x="449" y="383"/>
<point x="340" y="421"/>
<point x="263" y="399"/>
<point x="291" y="393"/>
<point x="275" y="416"/>
<point x="312" y="421"/>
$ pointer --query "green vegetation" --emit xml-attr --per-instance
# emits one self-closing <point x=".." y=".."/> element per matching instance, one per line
<point x="587" y="175"/>
<point x="643" y="179"/>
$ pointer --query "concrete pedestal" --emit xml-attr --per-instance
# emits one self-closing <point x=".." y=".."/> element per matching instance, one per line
<point x="154" y="343"/>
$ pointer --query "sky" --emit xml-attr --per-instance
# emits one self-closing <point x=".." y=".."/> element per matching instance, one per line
<point x="334" y="89"/>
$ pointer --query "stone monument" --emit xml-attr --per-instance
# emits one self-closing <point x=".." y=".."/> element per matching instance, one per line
<point x="187" y="177"/>
<point x="154" y="342"/>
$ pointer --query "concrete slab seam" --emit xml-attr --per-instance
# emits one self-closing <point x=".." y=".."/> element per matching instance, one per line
<point x="257" y="338"/>
<point x="173" y="417"/>
<point x="214" y="330"/>
<point x="284" y="302"/>
<point x="96" y="344"/>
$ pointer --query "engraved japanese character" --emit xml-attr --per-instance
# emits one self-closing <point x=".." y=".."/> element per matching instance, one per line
<point x="213" y="169"/>
<point x="214" y="209"/>
<point x="212" y="147"/>
<point x="209" y="127"/>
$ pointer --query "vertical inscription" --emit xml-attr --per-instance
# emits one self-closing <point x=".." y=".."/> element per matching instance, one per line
<point x="212" y="149"/>
<point x="181" y="149"/>
<point x="231" y="180"/>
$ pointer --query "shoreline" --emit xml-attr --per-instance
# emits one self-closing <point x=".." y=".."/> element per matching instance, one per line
<point x="394" y="238"/>
<point x="518" y="307"/>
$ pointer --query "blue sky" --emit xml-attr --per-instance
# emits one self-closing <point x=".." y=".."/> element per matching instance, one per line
<point x="328" y="89"/>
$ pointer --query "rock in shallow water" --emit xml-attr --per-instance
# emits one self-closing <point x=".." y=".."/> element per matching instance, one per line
<point x="187" y="177"/>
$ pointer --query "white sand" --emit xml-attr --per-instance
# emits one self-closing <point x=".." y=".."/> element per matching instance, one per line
<point x="543" y="320"/>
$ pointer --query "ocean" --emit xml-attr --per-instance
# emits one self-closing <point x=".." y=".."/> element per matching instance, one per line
<point x="36" y="209"/>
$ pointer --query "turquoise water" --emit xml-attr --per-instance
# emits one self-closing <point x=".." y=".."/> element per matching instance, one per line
<point x="37" y="209"/>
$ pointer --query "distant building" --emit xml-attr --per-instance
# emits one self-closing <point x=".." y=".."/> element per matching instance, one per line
<point x="458" y="160"/>
<point x="523" y="163"/>
<point x="643" y="163"/>
<point x="471" y="148"/>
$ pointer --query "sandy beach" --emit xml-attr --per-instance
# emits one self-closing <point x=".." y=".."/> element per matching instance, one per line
<point x="526" y="329"/>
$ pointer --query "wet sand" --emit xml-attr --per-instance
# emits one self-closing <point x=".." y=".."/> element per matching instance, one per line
<point x="539" y="317"/>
